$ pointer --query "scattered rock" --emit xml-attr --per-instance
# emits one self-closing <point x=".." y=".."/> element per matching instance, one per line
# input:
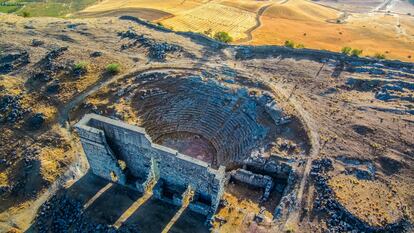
<point x="339" y="219"/>
<point x="12" y="60"/>
<point x="37" y="43"/>
<point x="64" y="214"/>
<point x="96" y="54"/>
<point x="11" y="110"/>
<point x="42" y="77"/>
<point x="36" y="121"/>
<point x="53" y="88"/>
<point x="156" y="50"/>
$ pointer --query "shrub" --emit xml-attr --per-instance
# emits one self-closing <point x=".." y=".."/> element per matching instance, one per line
<point x="346" y="50"/>
<point x="208" y="32"/>
<point x="379" y="56"/>
<point x="25" y="14"/>
<point x="81" y="66"/>
<point x="113" y="68"/>
<point x="300" y="46"/>
<point x="293" y="45"/>
<point x="223" y="37"/>
<point x="356" y="52"/>
<point x="290" y="44"/>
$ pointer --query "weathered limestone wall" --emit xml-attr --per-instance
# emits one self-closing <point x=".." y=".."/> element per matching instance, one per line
<point x="107" y="141"/>
<point x="257" y="180"/>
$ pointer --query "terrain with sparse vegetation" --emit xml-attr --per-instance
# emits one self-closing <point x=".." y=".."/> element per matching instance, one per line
<point x="339" y="149"/>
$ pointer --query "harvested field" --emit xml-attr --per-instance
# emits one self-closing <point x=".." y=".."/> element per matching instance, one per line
<point x="215" y="17"/>
<point x="318" y="25"/>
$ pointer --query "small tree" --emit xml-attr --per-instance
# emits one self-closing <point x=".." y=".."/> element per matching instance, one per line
<point x="113" y="68"/>
<point x="346" y="50"/>
<point x="223" y="37"/>
<point x="290" y="44"/>
<point x="356" y="52"/>
<point x="208" y="32"/>
<point x="300" y="46"/>
<point x="81" y="66"/>
<point x="25" y="14"/>
<point x="379" y="56"/>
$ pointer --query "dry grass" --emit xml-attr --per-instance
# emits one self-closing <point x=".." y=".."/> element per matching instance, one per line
<point x="306" y="23"/>
<point x="50" y="167"/>
<point x="171" y="6"/>
<point x="55" y="158"/>
<point x="371" y="201"/>
<point x="299" y="20"/>
<point x="12" y="85"/>
<point x="238" y="214"/>
<point x="213" y="16"/>
<point x="252" y="6"/>
<point x="4" y="179"/>
<point x="301" y="10"/>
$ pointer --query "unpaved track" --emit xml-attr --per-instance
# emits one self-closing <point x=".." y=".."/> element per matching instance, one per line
<point x="312" y="131"/>
<point x="63" y="116"/>
<point x="258" y="24"/>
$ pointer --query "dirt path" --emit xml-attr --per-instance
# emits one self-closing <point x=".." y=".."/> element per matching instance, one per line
<point x="383" y="6"/>
<point x="258" y="24"/>
<point x="312" y="130"/>
<point x="63" y="116"/>
<point x="313" y="134"/>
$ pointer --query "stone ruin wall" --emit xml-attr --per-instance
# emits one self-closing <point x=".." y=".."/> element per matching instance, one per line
<point x="106" y="141"/>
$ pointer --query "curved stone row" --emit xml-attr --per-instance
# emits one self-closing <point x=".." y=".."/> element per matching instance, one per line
<point x="225" y="117"/>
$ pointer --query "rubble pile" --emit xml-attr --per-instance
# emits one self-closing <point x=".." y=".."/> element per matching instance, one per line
<point x="28" y="159"/>
<point x="156" y="50"/>
<point x="385" y="90"/>
<point x="37" y="43"/>
<point x="339" y="218"/>
<point x="36" y="121"/>
<point x="11" y="109"/>
<point x="12" y="60"/>
<point x="49" y="68"/>
<point x="47" y="65"/>
<point x="64" y="214"/>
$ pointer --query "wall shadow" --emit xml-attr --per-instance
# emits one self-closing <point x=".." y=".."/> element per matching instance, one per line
<point x="110" y="201"/>
<point x="190" y="221"/>
<point x="152" y="216"/>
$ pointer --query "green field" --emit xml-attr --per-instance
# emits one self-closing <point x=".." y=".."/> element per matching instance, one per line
<point x="54" y="8"/>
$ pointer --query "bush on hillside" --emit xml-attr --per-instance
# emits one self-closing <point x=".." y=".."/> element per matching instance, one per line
<point x="113" y="68"/>
<point x="81" y="66"/>
<point x="346" y="50"/>
<point x="290" y="44"/>
<point x="223" y="37"/>
<point x="356" y="52"/>
<point x="25" y="14"/>
<point x="293" y="45"/>
<point x="379" y="56"/>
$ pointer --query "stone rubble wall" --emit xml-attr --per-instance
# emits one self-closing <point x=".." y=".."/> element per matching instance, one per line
<point x="256" y="180"/>
<point x="105" y="141"/>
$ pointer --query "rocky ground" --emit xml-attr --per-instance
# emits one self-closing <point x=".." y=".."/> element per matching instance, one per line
<point x="358" y="115"/>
